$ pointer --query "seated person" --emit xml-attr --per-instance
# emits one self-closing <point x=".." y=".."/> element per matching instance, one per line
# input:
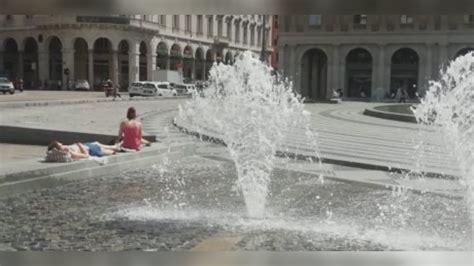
<point x="130" y="132"/>
<point x="79" y="151"/>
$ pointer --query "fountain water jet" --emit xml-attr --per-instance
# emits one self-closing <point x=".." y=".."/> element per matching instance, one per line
<point x="448" y="105"/>
<point x="253" y="111"/>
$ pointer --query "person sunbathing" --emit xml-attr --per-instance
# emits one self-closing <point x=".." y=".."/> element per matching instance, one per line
<point x="79" y="151"/>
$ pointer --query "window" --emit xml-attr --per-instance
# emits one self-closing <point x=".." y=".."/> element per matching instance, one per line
<point x="199" y="24"/>
<point x="210" y="26"/>
<point x="405" y="19"/>
<point x="469" y="19"/>
<point x="163" y="20"/>
<point x="188" y="23"/>
<point x="175" y="22"/>
<point x="219" y="27"/>
<point x="314" y="20"/>
<point x="360" y="19"/>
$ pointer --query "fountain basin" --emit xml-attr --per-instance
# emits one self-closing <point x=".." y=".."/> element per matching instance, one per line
<point x="193" y="200"/>
<point x="398" y="112"/>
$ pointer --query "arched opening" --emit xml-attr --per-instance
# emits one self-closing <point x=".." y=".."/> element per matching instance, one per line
<point x="162" y="56"/>
<point x="464" y="51"/>
<point x="219" y="57"/>
<point x="123" y="60"/>
<point x="188" y="62"/>
<point x="11" y="59"/>
<point x="199" y="65"/>
<point x="143" y="62"/>
<point x="30" y="64"/>
<point x="359" y="73"/>
<point x="404" y="73"/>
<point x="228" y="58"/>
<point x="175" y="57"/>
<point x="81" y="60"/>
<point x="314" y="74"/>
<point x="55" y="64"/>
<point x="209" y="62"/>
<point x="102" y="61"/>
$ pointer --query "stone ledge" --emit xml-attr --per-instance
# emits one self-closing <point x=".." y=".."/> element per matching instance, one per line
<point x="51" y="174"/>
<point x="390" y="115"/>
<point x="35" y="136"/>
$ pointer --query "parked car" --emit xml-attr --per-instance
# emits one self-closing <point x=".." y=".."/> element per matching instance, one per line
<point x="135" y="89"/>
<point x="82" y="84"/>
<point x="184" y="89"/>
<point x="155" y="88"/>
<point x="6" y="86"/>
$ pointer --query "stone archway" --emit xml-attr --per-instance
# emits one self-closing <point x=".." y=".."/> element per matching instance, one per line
<point x="175" y="57"/>
<point x="102" y="61"/>
<point x="55" y="63"/>
<point x="11" y="59"/>
<point x="162" y="56"/>
<point x="404" y="71"/>
<point x="209" y="62"/>
<point x="123" y="64"/>
<point x="359" y="73"/>
<point x="188" y="62"/>
<point x="30" y="64"/>
<point x="228" y="58"/>
<point x="199" y="65"/>
<point x="81" y="60"/>
<point x="314" y="71"/>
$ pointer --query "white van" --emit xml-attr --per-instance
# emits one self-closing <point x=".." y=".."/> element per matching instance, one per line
<point x="135" y="89"/>
<point x="152" y="88"/>
<point x="184" y="89"/>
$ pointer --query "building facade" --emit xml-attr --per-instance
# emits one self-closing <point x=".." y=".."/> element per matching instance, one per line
<point x="369" y="56"/>
<point x="47" y="51"/>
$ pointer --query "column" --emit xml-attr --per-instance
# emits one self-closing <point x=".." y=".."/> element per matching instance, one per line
<point x="20" y="64"/>
<point x="90" y="65"/>
<point x="151" y="66"/>
<point x="168" y="62"/>
<point x="292" y="65"/>
<point x="204" y="65"/>
<point x="133" y="63"/>
<point x="380" y="67"/>
<point x="43" y="66"/>
<point x="68" y="59"/>
<point x="193" y="69"/>
<point x="115" y="68"/>
<point x="428" y="68"/>
<point x="334" y="85"/>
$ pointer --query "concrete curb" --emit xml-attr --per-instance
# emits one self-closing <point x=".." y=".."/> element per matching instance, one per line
<point x="35" y="136"/>
<point x="83" y="101"/>
<point x="62" y="173"/>
<point x="292" y="155"/>
<point x="390" y="115"/>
